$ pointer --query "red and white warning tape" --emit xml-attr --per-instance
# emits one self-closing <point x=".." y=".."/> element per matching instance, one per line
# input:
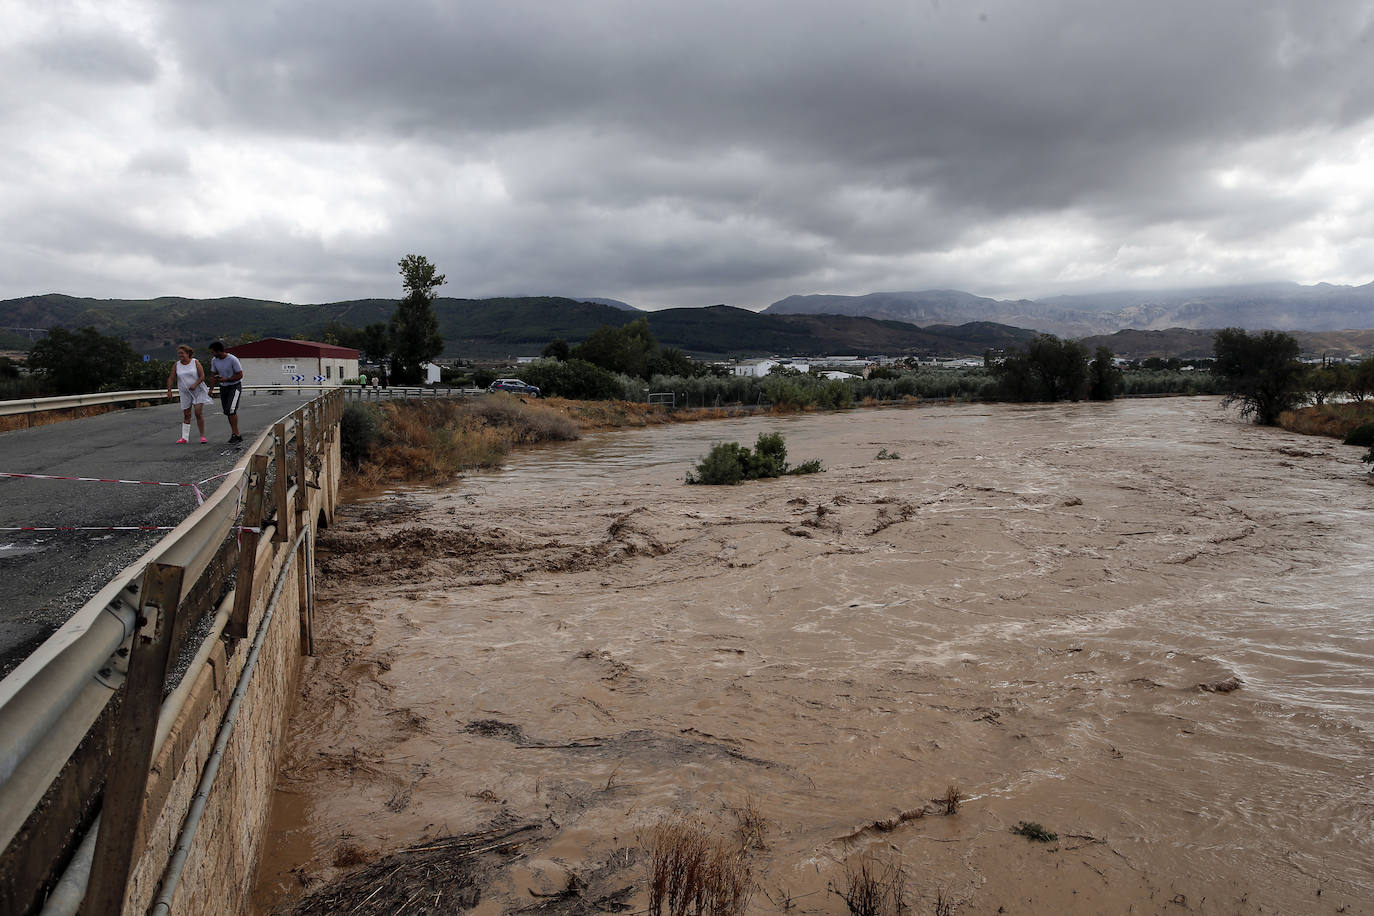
<point x="195" y="487"/>
<point x="241" y="528"/>
<point x="200" y="497"/>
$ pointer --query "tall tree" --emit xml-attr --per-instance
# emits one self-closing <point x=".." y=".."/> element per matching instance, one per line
<point x="627" y="349"/>
<point x="1362" y="381"/>
<point x="1326" y="381"/>
<point x="557" y="349"/>
<point x="1104" y="379"/>
<point x="376" y="341"/>
<point x="1261" y="373"/>
<point x="81" y="362"/>
<point x="1046" y="369"/>
<point x="415" y="337"/>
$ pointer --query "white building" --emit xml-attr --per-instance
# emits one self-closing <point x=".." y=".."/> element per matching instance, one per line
<point x="755" y="368"/>
<point x="276" y="361"/>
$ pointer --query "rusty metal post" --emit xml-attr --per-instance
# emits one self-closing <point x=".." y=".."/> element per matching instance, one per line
<point x="122" y="831"/>
<point x="248" y="548"/>
<point x="283" y="532"/>
<point x="304" y="598"/>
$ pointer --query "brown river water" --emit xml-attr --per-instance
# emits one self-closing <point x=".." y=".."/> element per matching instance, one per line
<point x="1144" y="625"/>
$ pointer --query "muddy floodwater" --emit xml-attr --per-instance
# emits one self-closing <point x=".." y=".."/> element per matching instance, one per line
<point x="1145" y="626"/>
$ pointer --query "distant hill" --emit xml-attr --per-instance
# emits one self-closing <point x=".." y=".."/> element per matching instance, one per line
<point x="1185" y="343"/>
<point x="1189" y="343"/>
<point x="613" y="303"/>
<point x="504" y="327"/>
<point x="1280" y="306"/>
<point x="723" y="330"/>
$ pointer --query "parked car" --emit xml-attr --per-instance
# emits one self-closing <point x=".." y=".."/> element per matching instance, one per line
<point x="513" y="386"/>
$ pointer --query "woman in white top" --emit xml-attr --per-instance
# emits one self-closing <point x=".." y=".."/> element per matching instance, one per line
<point x="189" y="378"/>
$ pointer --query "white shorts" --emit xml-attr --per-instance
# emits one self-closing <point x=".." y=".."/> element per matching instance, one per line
<point x="197" y="395"/>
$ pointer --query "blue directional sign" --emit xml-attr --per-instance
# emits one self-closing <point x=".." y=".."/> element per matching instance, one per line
<point x="297" y="378"/>
<point x="319" y="378"/>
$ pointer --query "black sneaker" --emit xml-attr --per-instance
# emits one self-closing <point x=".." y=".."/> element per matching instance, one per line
<point x="235" y="438"/>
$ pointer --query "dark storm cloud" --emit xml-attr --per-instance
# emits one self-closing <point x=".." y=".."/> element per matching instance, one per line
<point x="670" y="153"/>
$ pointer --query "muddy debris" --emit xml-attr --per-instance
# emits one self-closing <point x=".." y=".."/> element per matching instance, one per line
<point x="442" y="875"/>
<point x="495" y="728"/>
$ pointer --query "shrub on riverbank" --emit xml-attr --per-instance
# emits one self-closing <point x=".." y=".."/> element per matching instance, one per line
<point x="729" y="463"/>
<point x="359" y="429"/>
<point x="1361" y="435"/>
<point x="1335" y="420"/>
<point x="429" y="440"/>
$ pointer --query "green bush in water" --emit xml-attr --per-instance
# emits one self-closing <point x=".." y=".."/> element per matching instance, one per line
<point x="729" y="463"/>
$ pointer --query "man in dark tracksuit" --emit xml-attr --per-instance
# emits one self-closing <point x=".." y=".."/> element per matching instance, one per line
<point x="227" y="372"/>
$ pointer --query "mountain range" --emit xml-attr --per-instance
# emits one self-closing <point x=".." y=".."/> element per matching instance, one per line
<point x="1277" y="306"/>
<point x="496" y="328"/>
<point x="923" y="323"/>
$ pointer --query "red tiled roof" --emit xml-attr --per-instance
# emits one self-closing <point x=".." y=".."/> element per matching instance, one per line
<point x="273" y="347"/>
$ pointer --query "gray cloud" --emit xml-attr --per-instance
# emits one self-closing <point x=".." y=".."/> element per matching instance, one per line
<point x="688" y="154"/>
<point x="94" y="56"/>
<point x="159" y="162"/>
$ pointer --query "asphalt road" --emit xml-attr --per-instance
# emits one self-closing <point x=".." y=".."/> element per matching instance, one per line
<point x="46" y="576"/>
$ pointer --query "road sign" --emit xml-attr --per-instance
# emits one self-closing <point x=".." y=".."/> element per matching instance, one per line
<point x="319" y="378"/>
<point x="297" y="378"/>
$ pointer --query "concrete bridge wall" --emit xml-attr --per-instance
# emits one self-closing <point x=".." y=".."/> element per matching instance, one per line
<point x="121" y="793"/>
<point x="224" y="853"/>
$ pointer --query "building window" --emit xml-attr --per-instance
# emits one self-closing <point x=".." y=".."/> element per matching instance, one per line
<point x="328" y="371"/>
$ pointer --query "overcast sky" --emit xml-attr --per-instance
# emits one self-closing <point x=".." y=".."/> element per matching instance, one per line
<point x="682" y="153"/>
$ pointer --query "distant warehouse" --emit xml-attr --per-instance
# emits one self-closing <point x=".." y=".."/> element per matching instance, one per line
<point x="274" y="361"/>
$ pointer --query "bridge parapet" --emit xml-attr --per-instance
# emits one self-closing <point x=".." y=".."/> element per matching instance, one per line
<point x="139" y="742"/>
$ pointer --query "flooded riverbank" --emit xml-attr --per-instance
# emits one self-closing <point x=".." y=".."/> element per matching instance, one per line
<point x="1143" y="625"/>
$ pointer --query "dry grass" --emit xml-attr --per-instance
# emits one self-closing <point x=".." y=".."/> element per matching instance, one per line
<point x="432" y="440"/>
<point x="949" y="802"/>
<point x="435" y="439"/>
<point x="1335" y="420"/>
<point x="872" y="887"/>
<point x="526" y="422"/>
<point x="590" y="415"/>
<point x="750" y="825"/>
<point x="693" y="872"/>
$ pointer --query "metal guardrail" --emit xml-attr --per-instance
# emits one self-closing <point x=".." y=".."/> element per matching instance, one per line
<point x="367" y="393"/>
<point x="38" y="405"/>
<point x="351" y="392"/>
<point x="50" y="702"/>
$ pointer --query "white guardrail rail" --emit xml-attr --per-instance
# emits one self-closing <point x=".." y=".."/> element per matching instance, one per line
<point x="352" y="392"/>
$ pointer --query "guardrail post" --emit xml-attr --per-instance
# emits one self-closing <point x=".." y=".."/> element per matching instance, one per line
<point x="305" y="596"/>
<point x="237" y="627"/>
<point x="280" y="485"/>
<point x="301" y="440"/>
<point x="122" y="829"/>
